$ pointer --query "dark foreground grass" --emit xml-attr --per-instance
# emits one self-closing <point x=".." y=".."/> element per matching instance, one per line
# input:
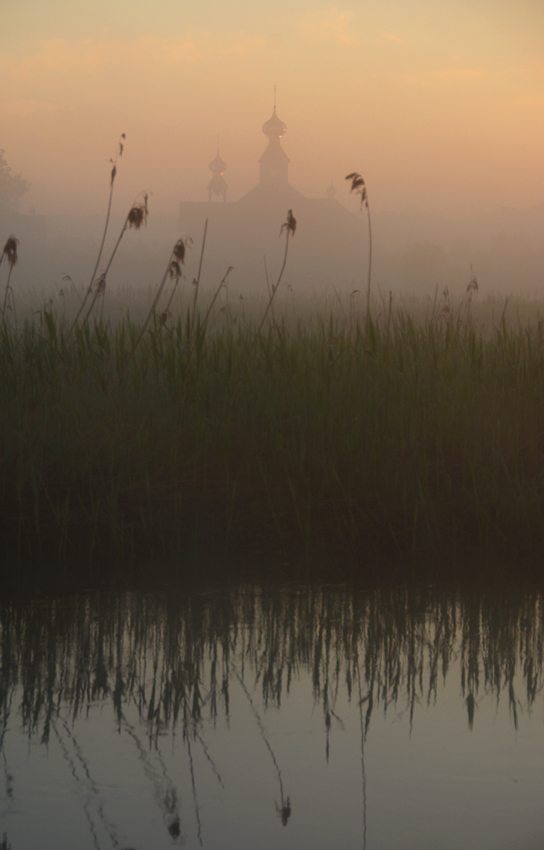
<point x="404" y="443"/>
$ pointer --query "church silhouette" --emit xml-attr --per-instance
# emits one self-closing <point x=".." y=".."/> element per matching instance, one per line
<point x="329" y="247"/>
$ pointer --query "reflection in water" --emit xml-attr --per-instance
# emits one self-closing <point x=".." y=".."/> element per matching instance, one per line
<point x="72" y="760"/>
<point x="164" y="790"/>
<point x="362" y="700"/>
<point x="284" y="810"/>
<point x="177" y="675"/>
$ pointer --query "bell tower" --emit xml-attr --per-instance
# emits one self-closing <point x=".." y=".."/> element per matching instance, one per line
<point x="274" y="162"/>
<point x="217" y="185"/>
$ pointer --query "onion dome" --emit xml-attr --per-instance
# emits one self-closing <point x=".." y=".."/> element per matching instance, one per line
<point x="274" y="127"/>
<point x="331" y="191"/>
<point x="217" y="165"/>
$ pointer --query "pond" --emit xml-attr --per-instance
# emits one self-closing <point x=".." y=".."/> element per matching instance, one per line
<point x="273" y="717"/>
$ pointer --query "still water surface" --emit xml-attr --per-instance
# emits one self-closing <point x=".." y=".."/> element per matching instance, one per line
<point x="295" y="717"/>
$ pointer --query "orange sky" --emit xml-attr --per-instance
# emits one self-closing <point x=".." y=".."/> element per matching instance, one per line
<point x="439" y="105"/>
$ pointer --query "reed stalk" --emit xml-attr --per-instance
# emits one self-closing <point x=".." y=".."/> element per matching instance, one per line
<point x="196" y="281"/>
<point x="119" y="153"/>
<point x="173" y="271"/>
<point x="194" y="344"/>
<point x="289" y="226"/>
<point x="10" y="253"/>
<point x="359" y="187"/>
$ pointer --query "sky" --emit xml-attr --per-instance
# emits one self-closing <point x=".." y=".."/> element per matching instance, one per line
<point x="439" y="105"/>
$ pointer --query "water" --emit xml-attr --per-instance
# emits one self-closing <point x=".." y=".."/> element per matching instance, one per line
<point x="296" y="717"/>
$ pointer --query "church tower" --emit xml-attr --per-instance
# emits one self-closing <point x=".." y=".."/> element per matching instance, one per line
<point x="274" y="161"/>
<point x="217" y="185"/>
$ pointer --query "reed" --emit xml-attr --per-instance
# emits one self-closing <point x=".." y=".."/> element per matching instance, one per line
<point x="394" y="440"/>
<point x="10" y="254"/>
<point x="289" y="226"/>
<point x="113" y="174"/>
<point x="358" y="186"/>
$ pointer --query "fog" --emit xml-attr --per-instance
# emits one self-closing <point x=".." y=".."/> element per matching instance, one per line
<point x="413" y="254"/>
<point x="439" y="107"/>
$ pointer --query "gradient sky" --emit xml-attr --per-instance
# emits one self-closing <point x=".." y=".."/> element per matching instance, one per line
<point x="439" y="105"/>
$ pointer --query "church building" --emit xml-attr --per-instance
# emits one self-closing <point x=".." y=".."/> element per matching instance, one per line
<point x="329" y="245"/>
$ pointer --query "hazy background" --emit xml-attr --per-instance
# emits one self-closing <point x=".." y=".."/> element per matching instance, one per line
<point x="439" y="105"/>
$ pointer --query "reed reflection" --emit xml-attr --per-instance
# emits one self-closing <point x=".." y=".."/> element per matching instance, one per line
<point x="172" y="664"/>
<point x="175" y="658"/>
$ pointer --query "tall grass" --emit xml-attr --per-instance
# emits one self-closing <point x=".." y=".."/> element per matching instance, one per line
<point x="376" y="441"/>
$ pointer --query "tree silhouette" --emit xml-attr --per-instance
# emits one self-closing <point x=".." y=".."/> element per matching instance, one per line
<point x="12" y="187"/>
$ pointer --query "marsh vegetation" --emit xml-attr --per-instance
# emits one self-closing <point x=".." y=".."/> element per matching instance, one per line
<point x="204" y="424"/>
<point x="378" y="437"/>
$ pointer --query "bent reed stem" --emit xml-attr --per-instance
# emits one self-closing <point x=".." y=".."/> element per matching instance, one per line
<point x="290" y="226"/>
<point x="119" y="152"/>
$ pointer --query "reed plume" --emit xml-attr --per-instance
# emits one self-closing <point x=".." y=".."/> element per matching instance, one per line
<point x="136" y="218"/>
<point x="359" y="187"/>
<point x="10" y="252"/>
<point x="289" y="226"/>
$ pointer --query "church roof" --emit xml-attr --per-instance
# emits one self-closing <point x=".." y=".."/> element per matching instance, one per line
<point x="265" y="197"/>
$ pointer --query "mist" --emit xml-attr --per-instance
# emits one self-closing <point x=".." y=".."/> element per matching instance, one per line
<point x="440" y="110"/>
<point x="414" y="254"/>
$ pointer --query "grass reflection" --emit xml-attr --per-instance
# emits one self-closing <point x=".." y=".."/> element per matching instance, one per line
<point x="174" y="661"/>
<point x="284" y="809"/>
